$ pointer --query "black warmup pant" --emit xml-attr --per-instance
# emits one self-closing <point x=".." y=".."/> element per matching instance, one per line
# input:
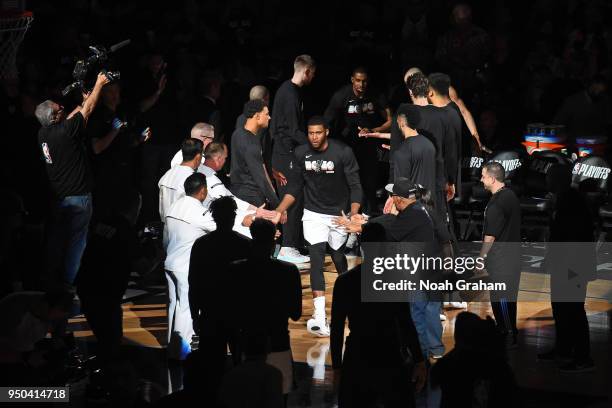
<point x="571" y="323"/>
<point x="216" y="334"/>
<point x="105" y="317"/>
<point x="572" y="330"/>
<point x="368" y="175"/>
<point x="503" y="302"/>
<point x="440" y="203"/>
<point x="292" y="230"/>
<point x="443" y="208"/>
<point x="505" y="316"/>
<point x="317" y="261"/>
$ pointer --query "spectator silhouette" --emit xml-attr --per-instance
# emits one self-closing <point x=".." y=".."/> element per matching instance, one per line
<point x="202" y="376"/>
<point x="270" y="286"/>
<point x="571" y="262"/>
<point x="254" y="383"/>
<point x="210" y="258"/>
<point x="475" y="372"/>
<point x="374" y="367"/>
<point x="105" y="270"/>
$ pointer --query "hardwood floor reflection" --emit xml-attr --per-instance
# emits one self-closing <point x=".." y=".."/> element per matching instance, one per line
<point x="145" y="325"/>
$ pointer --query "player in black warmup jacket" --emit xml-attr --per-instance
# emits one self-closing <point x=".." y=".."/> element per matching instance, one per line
<point x="288" y="132"/>
<point x="328" y="176"/>
<point x="439" y="85"/>
<point x="250" y="179"/>
<point x="353" y="112"/>
<point x="435" y="126"/>
<point x="415" y="158"/>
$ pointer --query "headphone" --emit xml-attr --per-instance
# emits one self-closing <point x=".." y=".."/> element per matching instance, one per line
<point x="417" y="191"/>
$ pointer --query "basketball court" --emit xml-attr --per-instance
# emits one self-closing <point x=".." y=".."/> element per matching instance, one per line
<point x="145" y="328"/>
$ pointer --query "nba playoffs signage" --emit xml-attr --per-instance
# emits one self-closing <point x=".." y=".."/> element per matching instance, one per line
<point x="589" y="171"/>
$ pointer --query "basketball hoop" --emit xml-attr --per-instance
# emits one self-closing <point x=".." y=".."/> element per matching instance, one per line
<point x="13" y="26"/>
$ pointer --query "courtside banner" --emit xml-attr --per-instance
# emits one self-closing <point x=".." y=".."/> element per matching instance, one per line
<point x="534" y="271"/>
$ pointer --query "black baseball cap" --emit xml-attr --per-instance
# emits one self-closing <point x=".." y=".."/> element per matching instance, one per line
<point x="403" y="187"/>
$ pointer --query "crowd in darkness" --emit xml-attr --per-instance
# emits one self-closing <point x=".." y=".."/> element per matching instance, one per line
<point x="511" y="62"/>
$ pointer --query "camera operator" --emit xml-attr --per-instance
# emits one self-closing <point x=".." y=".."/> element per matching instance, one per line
<point x="112" y="143"/>
<point x="61" y="139"/>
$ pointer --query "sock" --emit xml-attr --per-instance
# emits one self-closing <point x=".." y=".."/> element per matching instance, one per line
<point x="319" y="307"/>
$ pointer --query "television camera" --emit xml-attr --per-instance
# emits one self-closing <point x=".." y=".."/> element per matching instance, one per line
<point x="82" y="68"/>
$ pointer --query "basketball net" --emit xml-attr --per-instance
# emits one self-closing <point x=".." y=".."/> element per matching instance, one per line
<point x="13" y="27"/>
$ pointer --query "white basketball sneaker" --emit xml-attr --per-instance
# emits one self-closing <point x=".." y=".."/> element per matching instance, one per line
<point x="459" y="305"/>
<point x="456" y="305"/>
<point x="318" y="327"/>
<point x="292" y="255"/>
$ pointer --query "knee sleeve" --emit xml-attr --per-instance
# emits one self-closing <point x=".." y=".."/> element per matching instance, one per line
<point x="317" y="260"/>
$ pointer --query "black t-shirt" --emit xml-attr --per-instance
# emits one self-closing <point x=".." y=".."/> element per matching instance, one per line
<point x="210" y="257"/>
<point x="248" y="174"/>
<point x="162" y="117"/>
<point x="287" y="126"/>
<point x="116" y="159"/>
<point x="265" y="139"/>
<point x="245" y="289"/>
<point x="330" y="179"/>
<point x="455" y="126"/>
<point x="572" y="219"/>
<point x="435" y="127"/>
<point x="502" y="220"/>
<point x="415" y="160"/>
<point x="65" y="155"/>
<point x="347" y="113"/>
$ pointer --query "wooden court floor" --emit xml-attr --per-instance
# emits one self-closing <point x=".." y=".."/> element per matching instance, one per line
<point x="145" y="325"/>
